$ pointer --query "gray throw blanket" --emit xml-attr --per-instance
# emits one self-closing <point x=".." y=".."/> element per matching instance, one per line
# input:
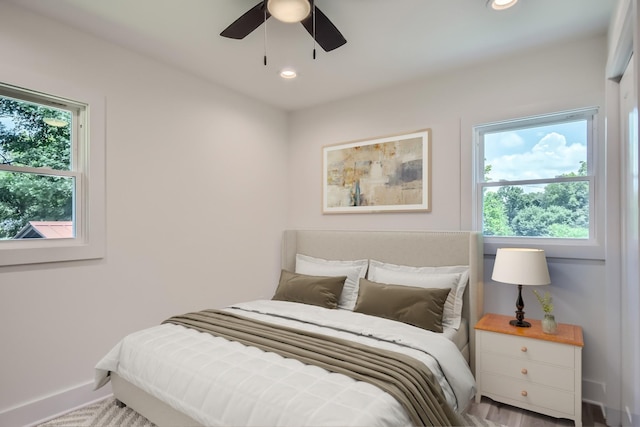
<point x="406" y="379"/>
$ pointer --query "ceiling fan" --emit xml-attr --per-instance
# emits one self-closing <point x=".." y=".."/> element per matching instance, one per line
<point x="304" y="11"/>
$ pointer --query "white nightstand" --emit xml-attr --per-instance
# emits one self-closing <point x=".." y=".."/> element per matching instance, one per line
<point x="527" y="368"/>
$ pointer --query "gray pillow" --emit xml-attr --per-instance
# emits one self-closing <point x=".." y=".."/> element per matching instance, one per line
<point x="421" y="307"/>
<point x="313" y="290"/>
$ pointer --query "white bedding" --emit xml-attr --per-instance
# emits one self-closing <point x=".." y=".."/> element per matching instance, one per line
<point x="218" y="382"/>
<point x="460" y="336"/>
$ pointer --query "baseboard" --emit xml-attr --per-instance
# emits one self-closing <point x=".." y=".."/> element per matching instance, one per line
<point x="49" y="407"/>
<point x="594" y="393"/>
<point x="634" y="419"/>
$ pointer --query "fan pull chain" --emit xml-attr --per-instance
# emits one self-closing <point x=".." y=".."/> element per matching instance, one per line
<point x="313" y="16"/>
<point x="265" y="36"/>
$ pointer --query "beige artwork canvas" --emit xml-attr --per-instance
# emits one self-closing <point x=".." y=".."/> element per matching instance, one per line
<point x="389" y="174"/>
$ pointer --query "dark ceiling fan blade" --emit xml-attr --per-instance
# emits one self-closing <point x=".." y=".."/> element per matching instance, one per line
<point x="243" y="26"/>
<point x="327" y="35"/>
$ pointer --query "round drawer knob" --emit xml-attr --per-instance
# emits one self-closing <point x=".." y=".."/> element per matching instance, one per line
<point x="524" y="371"/>
<point x="523" y="393"/>
<point x="523" y="349"/>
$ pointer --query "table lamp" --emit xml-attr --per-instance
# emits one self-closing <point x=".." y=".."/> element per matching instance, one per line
<point x="520" y="266"/>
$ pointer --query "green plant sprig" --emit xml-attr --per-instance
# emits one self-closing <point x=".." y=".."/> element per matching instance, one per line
<point x="545" y="301"/>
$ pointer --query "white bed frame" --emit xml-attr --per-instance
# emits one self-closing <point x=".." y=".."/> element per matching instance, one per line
<point x="414" y="248"/>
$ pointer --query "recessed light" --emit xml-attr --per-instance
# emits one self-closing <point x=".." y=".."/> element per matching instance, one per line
<point x="501" y="4"/>
<point x="288" y="73"/>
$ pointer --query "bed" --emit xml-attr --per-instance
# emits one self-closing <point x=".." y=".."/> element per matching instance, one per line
<point x="308" y="394"/>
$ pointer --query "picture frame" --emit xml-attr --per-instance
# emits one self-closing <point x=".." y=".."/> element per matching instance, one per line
<point x="385" y="174"/>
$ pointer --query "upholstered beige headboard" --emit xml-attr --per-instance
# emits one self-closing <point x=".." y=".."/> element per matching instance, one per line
<point x="414" y="248"/>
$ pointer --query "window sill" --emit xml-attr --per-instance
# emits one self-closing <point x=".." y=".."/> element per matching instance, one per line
<point x="553" y="248"/>
<point x="37" y="251"/>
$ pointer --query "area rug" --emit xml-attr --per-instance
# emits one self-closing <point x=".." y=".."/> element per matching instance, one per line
<point x="107" y="414"/>
<point x="102" y="414"/>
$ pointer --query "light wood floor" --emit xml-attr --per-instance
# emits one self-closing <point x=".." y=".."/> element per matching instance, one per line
<point x="515" y="417"/>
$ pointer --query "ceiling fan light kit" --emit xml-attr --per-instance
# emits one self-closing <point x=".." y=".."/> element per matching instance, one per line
<point x="289" y="10"/>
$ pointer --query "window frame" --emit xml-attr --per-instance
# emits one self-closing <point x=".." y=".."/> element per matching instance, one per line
<point x="591" y="248"/>
<point x="88" y="166"/>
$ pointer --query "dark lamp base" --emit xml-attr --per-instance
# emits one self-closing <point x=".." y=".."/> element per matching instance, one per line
<point x="519" y="320"/>
<point x="520" y="323"/>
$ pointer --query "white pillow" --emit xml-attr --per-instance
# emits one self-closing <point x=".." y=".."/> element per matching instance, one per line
<point x="354" y="270"/>
<point x="454" y="277"/>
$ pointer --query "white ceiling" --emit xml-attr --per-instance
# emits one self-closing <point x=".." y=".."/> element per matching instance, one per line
<point x="388" y="41"/>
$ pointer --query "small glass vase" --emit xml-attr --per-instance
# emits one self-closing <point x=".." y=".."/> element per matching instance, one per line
<point x="549" y="325"/>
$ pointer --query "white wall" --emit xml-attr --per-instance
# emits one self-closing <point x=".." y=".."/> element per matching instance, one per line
<point x="553" y="79"/>
<point x="194" y="194"/>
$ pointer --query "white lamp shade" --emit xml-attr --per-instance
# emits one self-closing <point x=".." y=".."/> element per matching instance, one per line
<point x="289" y="10"/>
<point x="521" y="266"/>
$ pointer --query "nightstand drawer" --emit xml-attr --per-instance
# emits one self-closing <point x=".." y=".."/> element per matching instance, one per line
<point x="535" y="395"/>
<point x="528" y="349"/>
<point x="532" y="372"/>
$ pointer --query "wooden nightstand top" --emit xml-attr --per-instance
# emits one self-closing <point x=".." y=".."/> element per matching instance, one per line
<point x="567" y="334"/>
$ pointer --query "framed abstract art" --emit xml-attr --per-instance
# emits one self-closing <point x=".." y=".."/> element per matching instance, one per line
<point x="386" y="174"/>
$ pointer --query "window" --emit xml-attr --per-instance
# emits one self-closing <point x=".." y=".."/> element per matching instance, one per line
<point x="45" y="193"/>
<point x="535" y="179"/>
<point x="39" y="173"/>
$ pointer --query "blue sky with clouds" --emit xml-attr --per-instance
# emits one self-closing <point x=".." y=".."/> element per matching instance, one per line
<point x="538" y="152"/>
